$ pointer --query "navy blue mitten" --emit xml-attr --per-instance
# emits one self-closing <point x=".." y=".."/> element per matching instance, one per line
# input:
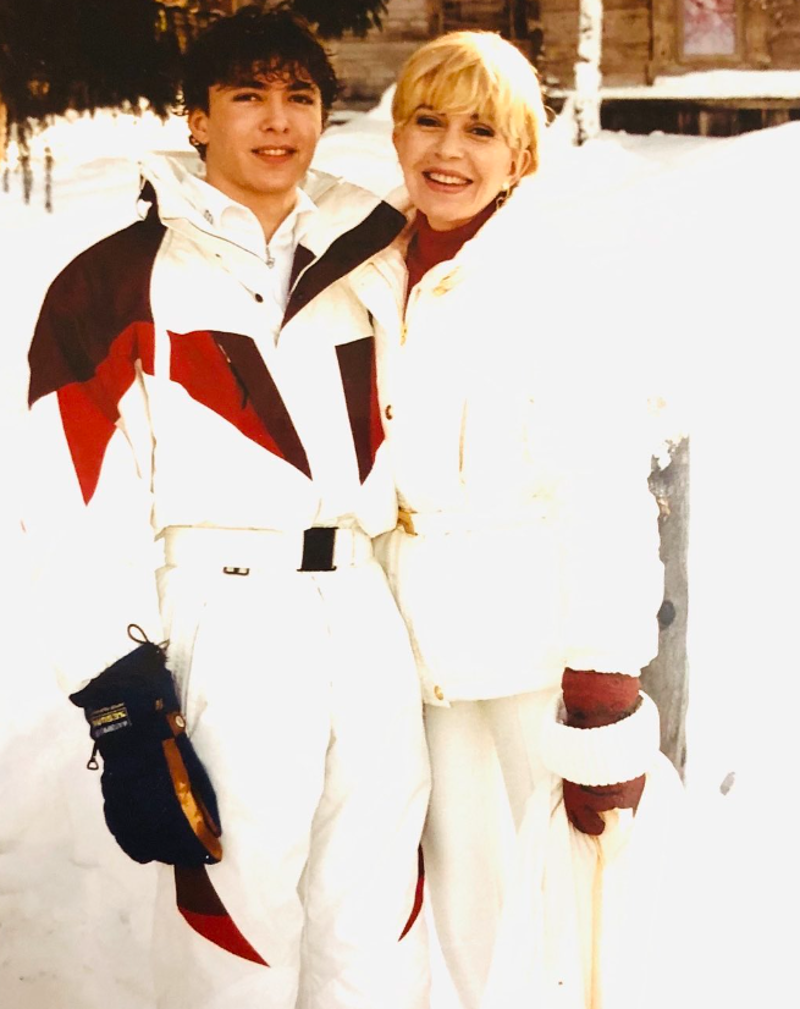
<point x="159" y="802"/>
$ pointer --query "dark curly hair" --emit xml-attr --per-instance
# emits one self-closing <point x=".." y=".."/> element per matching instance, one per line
<point x="253" y="41"/>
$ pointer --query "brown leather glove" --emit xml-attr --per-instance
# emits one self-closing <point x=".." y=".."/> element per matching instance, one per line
<point x="591" y="700"/>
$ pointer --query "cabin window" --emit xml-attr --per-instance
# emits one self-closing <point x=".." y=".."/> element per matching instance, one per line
<point x="709" y="28"/>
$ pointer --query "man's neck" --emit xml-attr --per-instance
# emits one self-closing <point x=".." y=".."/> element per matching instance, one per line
<point x="271" y="215"/>
<point x="271" y="209"/>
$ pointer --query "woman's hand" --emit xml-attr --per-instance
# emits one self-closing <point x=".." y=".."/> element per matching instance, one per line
<point x="585" y="803"/>
<point x="592" y="700"/>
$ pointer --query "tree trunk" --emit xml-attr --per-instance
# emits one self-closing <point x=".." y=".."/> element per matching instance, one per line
<point x="587" y="70"/>
<point x="3" y="137"/>
<point x="666" y="679"/>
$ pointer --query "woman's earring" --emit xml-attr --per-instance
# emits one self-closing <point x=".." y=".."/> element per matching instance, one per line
<point x="503" y="195"/>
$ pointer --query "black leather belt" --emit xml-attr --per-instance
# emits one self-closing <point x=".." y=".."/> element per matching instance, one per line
<point x="318" y="544"/>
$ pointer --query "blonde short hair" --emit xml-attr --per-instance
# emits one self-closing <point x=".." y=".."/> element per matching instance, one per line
<point x="476" y="72"/>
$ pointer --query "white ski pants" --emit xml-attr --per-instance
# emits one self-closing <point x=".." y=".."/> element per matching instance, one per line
<point x="484" y="763"/>
<point x="302" y="700"/>
<point x="531" y="913"/>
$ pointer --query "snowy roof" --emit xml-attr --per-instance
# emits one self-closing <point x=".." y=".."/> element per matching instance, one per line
<point x="710" y="85"/>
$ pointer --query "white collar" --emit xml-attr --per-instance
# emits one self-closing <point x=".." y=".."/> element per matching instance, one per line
<point x="232" y="220"/>
<point x="182" y="194"/>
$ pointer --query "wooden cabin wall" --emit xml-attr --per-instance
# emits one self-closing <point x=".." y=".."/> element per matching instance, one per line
<point x="769" y="38"/>
<point x="368" y="66"/>
<point x="471" y="15"/>
<point x="559" y="20"/>
<point x="640" y="39"/>
<point x="775" y="33"/>
<point x="626" y="41"/>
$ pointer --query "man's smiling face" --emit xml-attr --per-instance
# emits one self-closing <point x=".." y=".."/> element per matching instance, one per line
<point x="260" y="134"/>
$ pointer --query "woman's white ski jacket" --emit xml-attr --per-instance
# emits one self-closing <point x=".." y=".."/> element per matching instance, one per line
<point x="521" y="438"/>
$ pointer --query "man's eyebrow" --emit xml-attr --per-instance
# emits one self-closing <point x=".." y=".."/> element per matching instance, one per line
<point x="253" y="84"/>
<point x="301" y="85"/>
<point x="295" y="84"/>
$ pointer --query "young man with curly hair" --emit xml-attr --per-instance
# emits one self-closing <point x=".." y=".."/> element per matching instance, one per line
<point x="203" y="386"/>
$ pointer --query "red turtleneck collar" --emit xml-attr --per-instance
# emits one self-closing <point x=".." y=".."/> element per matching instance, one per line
<point x="428" y="247"/>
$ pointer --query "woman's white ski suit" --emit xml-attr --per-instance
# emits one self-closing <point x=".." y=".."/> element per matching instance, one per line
<point x="521" y="441"/>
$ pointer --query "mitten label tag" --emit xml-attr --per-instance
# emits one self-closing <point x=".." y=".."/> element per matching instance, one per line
<point x="110" y="719"/>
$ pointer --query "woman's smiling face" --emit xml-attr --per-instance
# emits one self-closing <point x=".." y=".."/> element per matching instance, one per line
<point x="454" y="164"/>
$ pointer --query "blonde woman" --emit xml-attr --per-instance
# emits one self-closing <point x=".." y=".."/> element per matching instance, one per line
<point x="526" y="560"/>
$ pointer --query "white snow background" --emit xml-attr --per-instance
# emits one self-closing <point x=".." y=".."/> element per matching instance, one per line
<point x="686" y="248"/>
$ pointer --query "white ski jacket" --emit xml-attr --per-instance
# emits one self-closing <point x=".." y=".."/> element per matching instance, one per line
<point x="521" y="444"/>
<point x="167" y="390"/>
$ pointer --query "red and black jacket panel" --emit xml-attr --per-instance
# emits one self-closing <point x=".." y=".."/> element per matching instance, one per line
<point x="97" y="323"/>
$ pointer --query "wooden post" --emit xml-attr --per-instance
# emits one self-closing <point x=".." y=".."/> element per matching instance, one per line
<point x="757" y="25"/>
<point x="436" y="17"/>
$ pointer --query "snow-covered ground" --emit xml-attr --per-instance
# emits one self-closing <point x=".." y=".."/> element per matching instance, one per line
<point x="689" y="247"/>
